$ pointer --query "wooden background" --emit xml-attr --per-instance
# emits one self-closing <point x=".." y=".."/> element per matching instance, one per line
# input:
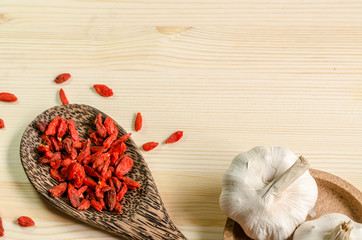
<point x="230" y="74"/>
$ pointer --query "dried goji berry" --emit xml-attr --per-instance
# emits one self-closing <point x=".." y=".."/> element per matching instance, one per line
<point x="96" y="149"/>
<point x="56" y="175"/>
<point x="62" y="77"/>
<point x="44" y="150"/>
<point x="84" y="205"/>
<point x="123" y="138"/>
<point x="96" y="205"/>
<point x="110" y="126"/>
<point x="90" y="183"/>
<point x="149" y="146"/>
<point x="77" y="144"/>
<point x="42" y="126"/>
<point x="1" y="228"/>
<point x="131" y="184"/>
<point x="117" y="184"/>
<point x="62" y="128"/>
<point x="52" y="127"/>
<point x="82" y="190"/>
<point x="63" y="97"/>
<point x="58" y="190"/>
<point x="73" y="196"/>
<point x="121" y="193"/>
<point x="49" y="143"/>
<point x="56" y="160"/>
<point x="90" y="171"/>
<point x="8" y="97"/>
<point x="138" y="122"/>
<point x="55" y="144"/>
<point x="101" y="129"/>
<point x="175" y="137"/>
<point x="72" y="130"/>
<point x="118" y="208"/>
<point x="84" y="153"/>
<point x="2" y="123"/>
<point x="124" y="166"/>
<point x="25" y="221"/>
<point x="111" y="199"/>
<point x="103" y="90"/>
<point x="109" y="140"/>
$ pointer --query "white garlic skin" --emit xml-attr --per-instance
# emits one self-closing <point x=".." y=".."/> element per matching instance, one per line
<point x="319" y="228"/>
<point x="273" y="217"/>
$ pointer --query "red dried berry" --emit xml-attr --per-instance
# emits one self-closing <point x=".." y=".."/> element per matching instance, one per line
<point x="176" y="136"/>
<point x="84" y="205"/>
<point x="138" y="122"/>
<point x="118" y="208"/>
<point x="103" y="90"/>
<point x="25" y="221"/>
<point x="8" y="97"/>
<point x="101" y="129"/>
<point x="1" y="228"/>
<point x="73" y="196"/>
<point x="56" y="175"/>
<point x="149" y="146"/>
<point x="58" y="190"/>
<point x="72" y="130"/>
<point x="121" y="193"/>
<point x="131" y="184"/>
<point x="2" y="124"/>
<point x="63" y="97"/>
<point x="52" y="127"/>
<point x="62" y="77"/>
<point x="42" y="126"/>
<point x="124" y="166"/>
<point x="96" y="205"/>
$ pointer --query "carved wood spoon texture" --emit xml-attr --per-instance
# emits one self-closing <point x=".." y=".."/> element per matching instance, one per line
<point x="143" y="215"/>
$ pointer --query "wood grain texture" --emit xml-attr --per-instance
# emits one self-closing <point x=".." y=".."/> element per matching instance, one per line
<point x="230" y="74"/>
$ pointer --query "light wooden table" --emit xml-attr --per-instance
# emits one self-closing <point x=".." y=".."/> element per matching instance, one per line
<point x="230" y="74"/>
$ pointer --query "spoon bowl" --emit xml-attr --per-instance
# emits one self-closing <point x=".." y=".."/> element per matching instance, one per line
<point x="143" y="215"/>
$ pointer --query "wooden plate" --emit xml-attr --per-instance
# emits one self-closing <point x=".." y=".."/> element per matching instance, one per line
<point x="334" y="195"/>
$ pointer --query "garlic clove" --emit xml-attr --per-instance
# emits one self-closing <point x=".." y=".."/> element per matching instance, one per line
<point x="268" y="192"/>
<point x="331" y="226"/>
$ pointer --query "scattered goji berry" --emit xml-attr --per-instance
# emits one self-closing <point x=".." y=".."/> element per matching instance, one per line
<point x="149" y="146"/>
<point x="63" y="97"/>
<point x="176" y="136"/>
<point x="25" y="221"/>
<point x="8" y="97"/>
<point x="2" y="124"/>
<point x="62" y="77"/>
<point x="1" y="228"/>
<point x="103" y="90"/>
<point x="138" y="122"/>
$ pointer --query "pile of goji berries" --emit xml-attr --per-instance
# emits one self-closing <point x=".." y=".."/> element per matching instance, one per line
<point x="92" y="176"/>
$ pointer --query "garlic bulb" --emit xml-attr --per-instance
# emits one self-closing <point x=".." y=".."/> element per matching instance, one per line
<point x="269" y="192"/>
<point x="331" y="226"/>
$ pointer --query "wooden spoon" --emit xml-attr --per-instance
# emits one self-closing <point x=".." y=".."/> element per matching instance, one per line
<point x="144" y="215"/>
